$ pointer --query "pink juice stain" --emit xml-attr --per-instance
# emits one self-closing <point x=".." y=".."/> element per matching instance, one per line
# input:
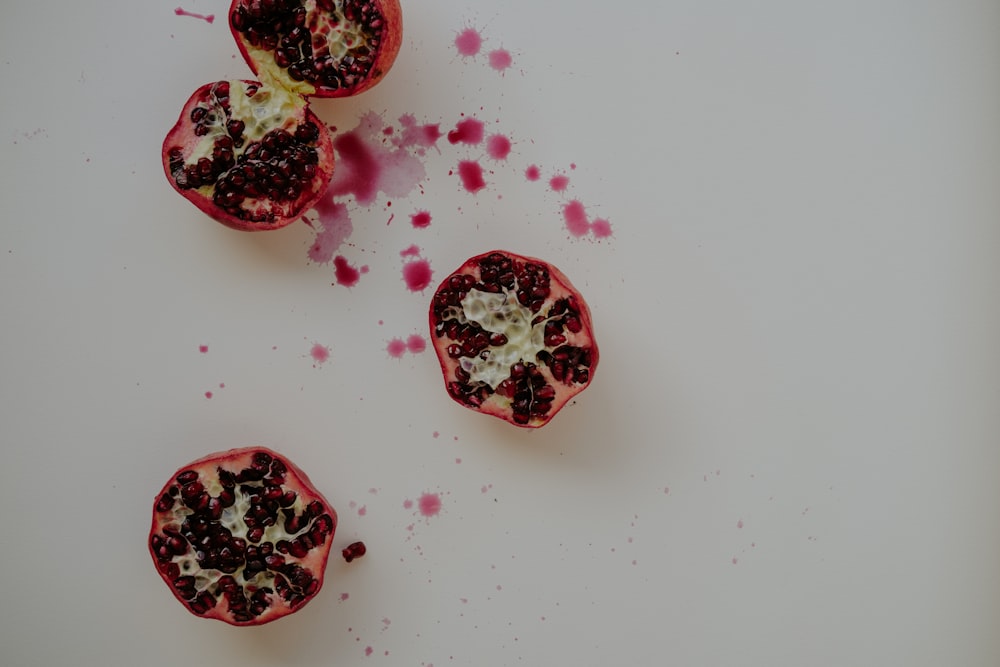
<point x="346" y="275"/>
<point x="500" y="59"/>
<point x="416" y="344"/>
<point x="369" y="163"/>
<point x="467" y="131"/>
<point x="207" y="18"/>
<point x="471" y="174"/>
<point x="414" y="134"/>
<point x="417" y="274"/>
<point x="335" y="227"/>
<point x="533" y="173"/>
<point x="559" y="182"/>
<point x="468" y="42"/>
<point x="429" y="504"/>
<point x="576" y="218"/>
<point x="396" y="347"/>
<point x="420" y="219"/>
<point x="320" y="353"/>
<point x="203" y="349"/>
<point x="498" y="146"/>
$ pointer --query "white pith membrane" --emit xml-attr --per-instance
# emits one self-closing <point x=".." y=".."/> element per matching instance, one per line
<point x="270" y="107"/>
<point x="337" y="36"/>
<point x="498" y="312"/>
<point x="232" y="519"/>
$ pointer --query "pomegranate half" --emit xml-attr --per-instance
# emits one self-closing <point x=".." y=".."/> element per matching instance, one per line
<point x="319" y="48"/>
<point x="251" y="156"/>
<point x="513" y="336"/>
<point x="242" y="536"/>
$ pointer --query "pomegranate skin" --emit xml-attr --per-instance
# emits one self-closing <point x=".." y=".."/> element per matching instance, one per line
<point x="260" y="47"/>
<point x="270" y="207"/>
<point x="184" y="538"/>
<point x="514" y="338"/>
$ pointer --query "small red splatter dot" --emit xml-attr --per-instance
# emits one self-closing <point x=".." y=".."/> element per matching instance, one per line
<point x="420" y="219"/>
<point x="533" y="173"/>
<point x="468" y="42"/>
<point x="416" y="343"/>
<point x="430" y="504"/>
<point x="396" y="347"/>
<point x="500" y="59"/>
<point x="320" y="353"/>
<point x="559" y="182"/>
<point x="203" y="349"/>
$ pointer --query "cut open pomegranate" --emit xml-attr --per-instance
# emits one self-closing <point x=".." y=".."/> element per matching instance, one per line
<point x="252" y="156"/>
<point x="321" y="48"/>
<point x="242" y="536"/>
<point x="514" y="337"/>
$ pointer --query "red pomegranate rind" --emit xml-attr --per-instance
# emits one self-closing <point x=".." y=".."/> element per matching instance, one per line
<point x="514" y="338"/>
<point x="250" y="156"/>
<point x="319" y="48"/>
<point x="242" y="536"/>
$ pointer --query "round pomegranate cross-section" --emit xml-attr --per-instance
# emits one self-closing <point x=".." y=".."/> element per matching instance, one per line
<point x="318" y="48"/>
<point x="252" y="157"/>
<point x="514" y="337"/>
<point x="242" y="536"/>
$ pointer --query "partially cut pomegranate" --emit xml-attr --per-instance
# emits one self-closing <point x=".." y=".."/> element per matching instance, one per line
<point x="514" y="337"/>
<point x="321" y="48"/>
<point x="242" y="536"/>
<point x="251" y="156"/>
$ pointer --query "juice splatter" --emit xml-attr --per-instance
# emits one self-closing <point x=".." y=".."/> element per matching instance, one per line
<point x="471" y="174"/>
<point x="413" y="134"/>
<point x="335" y="227"/>
<point x="345" y="274"/>
<point x="468" y="42"/>
<point x="533" y="172"/>
<point x="498" y="146"/>
<point x="207" y="18"/>
<point x="396" y="347"/>
<point x="600" y="228"/>
<point x="576" y="218"/>
<point x="430" y="504"/>
<point x="467" y="131"/>
<point x="320" y="353"/>
<point x="417" y="274"/>
<point x="500" y="59"/>
<point x="559" y="182"/>
<point x="203" y="349"/>
<point x="420" y="219"/>
<point x="416" y="344"/>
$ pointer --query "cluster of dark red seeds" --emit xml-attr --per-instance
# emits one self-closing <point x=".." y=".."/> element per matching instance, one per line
<point x="530" y="393"/>
<point x="215" y="547"/>
<point x="277" y="167"/>
<point x="280" y="26"/>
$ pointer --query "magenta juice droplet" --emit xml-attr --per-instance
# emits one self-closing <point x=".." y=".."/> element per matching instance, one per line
<point x="600" y="228"/>
<point x="467" y="131"/>
<point x="430" y="504"/>
<point x="500" y="59"/>
<point x="207" y="18"/>
<point x="468" y="42"/>
<point x="396" y="347"/>
<point x="417" y="274"/>
<point x="319" y="353"/>
<point x="416" y="344"/>
<point x="533" y="172"/>
<point x="576" y="218"/>
<point x="203" y="349"/>
<point x="345" y="274"/>
<point x="498" y="146"/>
<point x="420" y="219"/>
<point x="559" y="182"/>
<point x="471" y="174"/>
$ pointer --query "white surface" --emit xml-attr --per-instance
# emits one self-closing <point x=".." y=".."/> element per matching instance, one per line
<point x="798" y="316"/>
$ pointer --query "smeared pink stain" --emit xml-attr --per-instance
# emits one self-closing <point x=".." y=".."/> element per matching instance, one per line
<point x="471" y="174"/>
<point x="346" y="275"/>
<point x="600" y="228"/>
<point x="396" y="347"/>
<point x="203" y="349"/>
<point x="500" y="59"/>
<point x="416" y="344"/>
<point x="335" y="227"/>
<point x="407" y="504"/>
<point x="369" y="650"/>
<point x="414" y="134"/>
<point x="559" y="182"/>
<point x="412" y="251"/>
<point x="363" y="510"/>
<point x="207" y="18"/>
<point x="344" y="596"/>
<point x="420" y="219"/>
<point x="417" y="274"/>
<point x="576" y="218"/>
<point x="468" y="42"/>
<point x="533" y="173"/>
<point x="320" y="353"/>
<point x="430" y="504"/>
<point x="467" y="131"/>
<point x="366" y="166"/>
<point x="498" y="146"/>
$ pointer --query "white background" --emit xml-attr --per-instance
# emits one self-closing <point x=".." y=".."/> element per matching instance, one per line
<point x="789" y="454"/>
